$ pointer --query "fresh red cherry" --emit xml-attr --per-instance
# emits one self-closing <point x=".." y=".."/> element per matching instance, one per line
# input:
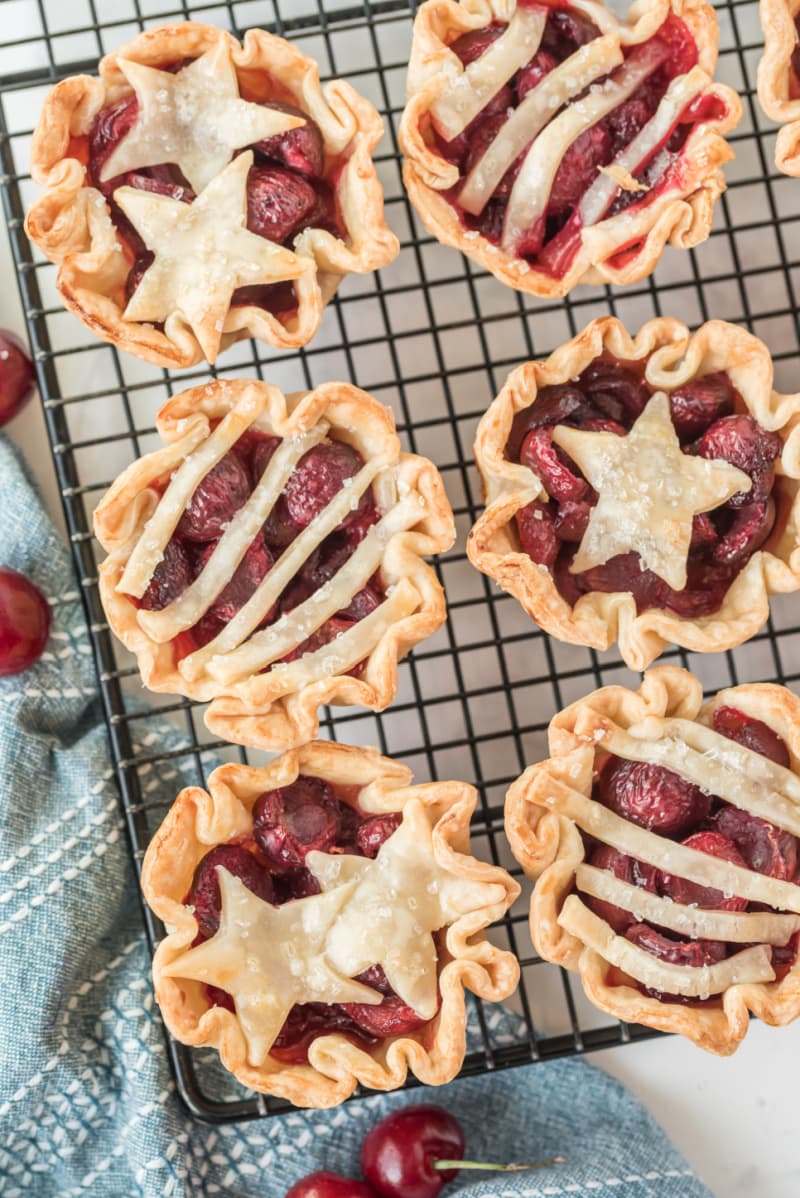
<point x="24" y="623"/>
<point x="17" y="379"/>
<point x="399" y="1153"/>
<point x="329" y="1185"/>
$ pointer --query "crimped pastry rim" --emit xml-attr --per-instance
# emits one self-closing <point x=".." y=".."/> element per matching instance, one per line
<point x="196" y="822"/>
<point x="599" y="619"/>
<point x="549" y="848"/>
<point x="682" y="220"/>
<point x="70" y="224"/>
<point x="774" y="74"/>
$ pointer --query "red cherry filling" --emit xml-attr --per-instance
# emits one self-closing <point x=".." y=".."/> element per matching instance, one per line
<point x="742" y="441"/>
<point x="216" y="500"/>
<point x="277" y="202"/>
<point x="287" y="825"/>
<point x="320" y="476"/>
<point x="171" y="577"/>
<point x="753" y="734"/>
<point x="699" y="404"/>
<point x="251" y="571"/>
<point x="627" y="869"/>
<point x="555" y="237"/>
<point x="652" y="797"/>
<point x="301" y="149"/>
<point x="681" y="890"/>
<point x="537" y="533"/>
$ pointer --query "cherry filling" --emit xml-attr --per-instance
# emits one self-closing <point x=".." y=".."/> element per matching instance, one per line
<point x="287" y="825"/>
<point x="288" y="190"/>
<point x="709" y="421"/>
<point x="317" y="480"/>
<point x="658" y="799"/>
<point x="551" y="244"/>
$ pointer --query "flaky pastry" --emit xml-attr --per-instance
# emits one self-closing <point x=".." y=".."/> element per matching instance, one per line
<point x="779" y="78"/>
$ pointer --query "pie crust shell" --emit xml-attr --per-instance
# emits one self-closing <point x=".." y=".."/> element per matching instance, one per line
<point x="774" y="80"/>
<point x="71" y="225"/>
<point x="598" y="619"/>
<point x="680" y="218"/>
<point x="549" y="848"/>
<point x="199" y="820"/>
<point x="258" y="711"/>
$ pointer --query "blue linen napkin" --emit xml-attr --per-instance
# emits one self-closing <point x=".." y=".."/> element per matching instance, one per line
<point x="87" y="1102"/>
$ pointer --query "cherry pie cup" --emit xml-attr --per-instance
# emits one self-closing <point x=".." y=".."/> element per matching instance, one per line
<point x="554" y="144"/>
<point x="779" y="78"/>
<point x="663" y="836"/>
<point x="324" y="920"/>
<point x="200" y="191"/>
<point x="270" y="557"/>
<point x="643" y="490"/>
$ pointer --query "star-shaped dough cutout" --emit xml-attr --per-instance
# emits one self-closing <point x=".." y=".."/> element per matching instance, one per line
<point x="648" y="490"/>
<point x="194" y="119"/>
<point x="269" y="958"/>
<point x="203" y="252"/>
<point x="401" y="898"/>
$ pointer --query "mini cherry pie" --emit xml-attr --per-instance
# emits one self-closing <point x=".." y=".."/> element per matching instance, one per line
<point x="779" y="78"/>
<point x="269" y="557"/>
<point x="324" y="920"/>
<point x="200" y="191"/>
<point x="555" y="144"/>
<point x="643" y="490"/>
<point x="663" y="834"/>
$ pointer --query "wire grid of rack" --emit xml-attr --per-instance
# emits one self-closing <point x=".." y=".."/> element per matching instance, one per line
<point x="433" y="337"/>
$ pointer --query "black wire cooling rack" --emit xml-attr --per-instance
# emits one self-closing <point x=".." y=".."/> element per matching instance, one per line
<point x="433" y="337"/>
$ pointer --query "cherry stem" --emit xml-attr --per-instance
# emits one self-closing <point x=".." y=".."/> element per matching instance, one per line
<point x="489" y="1167"/>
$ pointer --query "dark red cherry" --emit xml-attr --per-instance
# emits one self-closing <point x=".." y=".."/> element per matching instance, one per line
<point x="742" y="441"/>
<point x="256" y="449"/>
<point x="572" y="519"/>
<point x="675" y="951"/>
<point x="108" y="128"/>
<point x="681" y="890"/>
<point x="751" y="525"/>
<point x="619" y="393"/>
<point x="160" y="187"/>
<point x="537" y="534"/>
<point x="697" y="405"/>
<point x="397" y="1155"/>
<point x="704" y="531"/>
<point x="753" y="734"/>
<point x="171" y="577"/>
<point x="484" y="133"/>
<point x="279" y="528"/>
<point x="290" y="822"/>
<point x="24" y="622"/>
<point x="626" y="121"/>
<point x="320" y="476"/>
<point x="374" y="831"/>
<point x="330" y="631"/>
<point x="570" y="586"/>
<point x="137" y="272"/>
<point x="278" y="298"/>
<point x="765" y="848"/>
<point x="548" y="463"/>
<point x="277" y="202"/>
<point x="251" y="571"/>
<point x="562" y="403"/>
<point x="601" y="424"/>
<point x="392" y="1017"/>
<point x="476" y="42"/>
<point x="624" y="573"/>
<point x="578" y="169"/>
<point x="17" y="379"/>
<point x="301" y="149"/>
<point x="706" y="586"/>
<point x="565" y="30"/>
<point x="652" y="797"/>
<point x="532" y="75"/>
<point x="629" y="870"/>
<point x="216" y="500"/>
<point x="205" y="889"/>
<point x="329" y="1185"/>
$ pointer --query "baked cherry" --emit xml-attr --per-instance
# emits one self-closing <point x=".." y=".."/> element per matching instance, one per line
<point x="329" y="1185"/>
<point x="531" y="75"/>
<point x="753" y="734"/>
<point x="572" y="519"/>
<point x="681" y="890"/>
<point x="257" y="449"/>
<point x="320" y="476"/>
<point x="171" y="577"/>
<point x="629" y="870"/>
<point x="330" y="631"/>
<point x="301" y="149"/>
<point x="537" y="533"/>
<point x="17" y="379"/>
<point x="751" y="525"/>
<point x="373" y="832"/>
<point x="624" y="573"/>
<point x="619" y="393"/>
<point x="470" y="46"/>
<point x="625" y="122"/>
<point x="108" y="128"/>
<point x="399" y="1153"/>
<point x="24" y="622"/>
<point x="673" y="950"/>
<point x="765" y="848"/>
<point x="480" y="138"/>
<point x="578" y="169"/>
<point x="566" y="29"/>
<point x="697" y="405"/>
<point x="279" y="528"/>
<point x="652" y="797"/>
<point x="251" y="571"/>
<point x="138" y="271"/>
<point x="290" y="822"/>
<point x="547" y="462"/>
<point x="205" y="889"/>
<point x="278" y="298"/>
<point x="277" y="202"/>
<point x="392" y="1017"/>
<point x="742" y="441"/>
<point x="215" y="500"/>
<point x="704" y="531"/>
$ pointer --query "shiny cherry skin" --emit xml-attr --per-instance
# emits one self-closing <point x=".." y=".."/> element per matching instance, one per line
<point x="24" y="623"/>
<point x="329" y="1185"/>
<point x="17" y="379"/>
<point x="398" y="1153"/>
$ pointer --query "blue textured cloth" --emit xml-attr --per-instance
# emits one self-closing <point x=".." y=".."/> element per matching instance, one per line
<point x="87" y="1102"/>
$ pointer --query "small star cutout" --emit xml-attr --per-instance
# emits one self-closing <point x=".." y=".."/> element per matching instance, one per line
<point x="269" y="958"/>
<point x="648" y="492"/>
<point x="203" y="252"/>
<point x="401" y="898"/>
<point x="193" y="119"/>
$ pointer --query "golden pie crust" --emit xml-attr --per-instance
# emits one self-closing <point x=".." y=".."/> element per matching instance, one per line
<point x="71" y="225"/>
<point x="674" y="356"/>
<point x="550" y="848"/>
<point x="775" y="79"/>
<point x="679" y="217"/>
<point x="199" y="820"/>
<point x="263" y="709"/>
